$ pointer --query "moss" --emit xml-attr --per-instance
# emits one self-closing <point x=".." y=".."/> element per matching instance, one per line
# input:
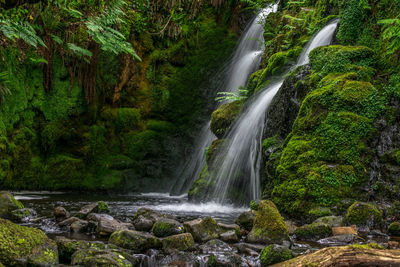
<point x="103" y="207"/>
<point x="223" y="118"/>
<point x="314" y="231"/>
<point x="367" y="246"/>
<point x="273" y="254"/>
<point x="394" y="229"/>
<point x="200" y="187"/>
<point x="160" y="126"/>
<point x="127" y="119"/>
<point x="180" y="242"/>
<point x="361" y="213"/>
<point x="320" y="212"/>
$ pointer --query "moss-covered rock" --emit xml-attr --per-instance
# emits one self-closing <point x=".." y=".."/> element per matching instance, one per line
<point x="274" y="254"/>
<point x="246" y="220"/>
<point x="20" y="245"/>
<point x="394" y="229"/>
<point x="332" y="221"/>
<point x="96" y="257"/>
<point x="364" y="214"/>
<point x="167" y="227"/>
<point x="223" y="117"/>
<point x="269" y="226"/>
<point x="136" y="241"/>
<point x="313" y="231"/>
<point x="8" y="204"/>
<point x="103" y="207"/>
<point x="180" y="242"/>
<point x="202" y="230"/>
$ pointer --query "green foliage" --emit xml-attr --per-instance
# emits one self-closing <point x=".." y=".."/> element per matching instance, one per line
<point x="242" y="95"/>
<point x="20" y="30"/>
<point x="352" y="16"/>
<point x="361" y="213"/>
<point x="391" y="34"/>
<point x="275" y="254"/>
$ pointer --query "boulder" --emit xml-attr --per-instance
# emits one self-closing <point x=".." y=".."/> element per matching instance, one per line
<point x="394" y="229"/>
<point x="274" y="254"/>
<point x="243" y="247"/>
<point x="228" y="227"/>
<point x="86" y="210"/>
<point x="202" y="230"/>
<point x="79" y="226"/>
<point x="332" y="221"/>
<point x="223" y="117"/>
<point x="95" y="257"/>
<point x="143" y="224"/>
<point x="340" y="240"/>
<point x="60" y="213"/>
<point x="145" y="218"/>
<point x="7" y="204"/>
<point x="216" y="246"/>
<point x="21" y="246"/>
<point x="350" y="230"/>
<point x="313" y="231"/>
<point x="269" y="226"/>
<point x="180" y="242"/>
<point x="353" y="255"/>
<point x="167" y="227"/>
<point x="138" y="242"/>
<point x="246" y="220"/>
<point x="23" y="215"/>
<point x="229" y="237"/>
<point x="68" y="222"/>
<point x="108" y="226"/>
<point x="364" y="214"/>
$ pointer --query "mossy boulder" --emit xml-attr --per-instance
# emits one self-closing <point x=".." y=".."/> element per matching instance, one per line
<point x="95" y="257"/>
<point x="203" y="230"/>
<point x="223" y="117"/>
<point x="20" y="245"/>
<point x="246" y="220"/>
<point x="364" y="214"/>
<point x="394" y="229"/>
<point x="180" y="242"/>
<point x="167" y="227"/>
<point x="332" y="221"/>
<point x="313" y="231"/>
<point x="274" y="254"/>
<point x="318" y="212"/>
<point x="127" y="119"/>
<point x="136" y="241"/>
<point x="269" y="226"/>
<point x="8" y="204"/>
<point x="21" y="215"/>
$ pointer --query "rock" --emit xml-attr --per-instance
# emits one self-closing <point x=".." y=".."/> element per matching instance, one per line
<point x="243" y="247"/>
<point x="96" y="217"/>
<point x="68" y="222"/>
<point x="107" y="226"/>
<point x="180" y="242"/>
<point x="228" y="227"/>
<point x="94" y="257"/>
<point x="246" y="220"/>
<point x="79" y="226"/>
<point x="291" y="227"/>
<point x="215" y="246"/>
<point x="275" y="254"/>
<point x="340" y="240"/>
<point x="332" y="221"/>
<point x="353" y="255"/>
<point x="269" y="226"/>
<point x="143" y="224"/>
<point x="136" y="241"/>
<point x="23" y="215"/>
<point x="223" y="117"/>
<point x="21" y="246"/>
<point x="313" y="231"/>
<point x="350" y="230"/>
<point x="60" y="213"/>
<point x="394" y="229"/>
<point x="229" y="237"/>
<point x="364" y="214"/>
<point x="167" y="227"/>
<point x="67" y="247"/>
<point x="86" y="210"/>
<point x="300" y="249"/>
<point x="7" y="204"/>
<point x="319" y="212"/>
<point x="203" y="230"/>
<point x="103" y="207"/>
<point x="393" y="245"/>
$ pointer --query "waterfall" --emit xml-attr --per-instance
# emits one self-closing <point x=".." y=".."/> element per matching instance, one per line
<point x="239" y="159"/>
<point x="244" y="62"/>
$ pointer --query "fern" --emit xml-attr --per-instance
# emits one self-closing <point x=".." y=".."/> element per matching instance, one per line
<point x="80" y="52"/>
<point x="232" y="96"/>
<point x="20" y="30"/>
<point x="391" y="34"/>
<point x="4" y="81"/>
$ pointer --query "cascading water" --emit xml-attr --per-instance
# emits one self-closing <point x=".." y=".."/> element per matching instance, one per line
<point x="244" y="62"/>
<point x="239" y="159"/>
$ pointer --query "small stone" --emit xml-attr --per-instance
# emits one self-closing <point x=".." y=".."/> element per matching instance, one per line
<point x="229" y="237"/>
<point x="143" y="224"/>
<point x="60" y="213"/>
<point x="167" y="227"/>
<point x="68" y="222"/>
<point x="350" y="230"/>
<point x="79" y="226"/>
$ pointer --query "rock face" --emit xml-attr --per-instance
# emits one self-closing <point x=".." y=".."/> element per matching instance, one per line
<point x="355" y="255"/>
<point x="269" y="226"/>
<point x="167" y="227"/>
<point x="136" y="241"/>
<point x="20" y="246"/>
<point x="203" y="230"/>
<point x="223" y="117"/>
<point x="7" y="204"/>
<point x="246" y="220"/>
<point x="364" y="214"/>
<point x="180" y="242"/>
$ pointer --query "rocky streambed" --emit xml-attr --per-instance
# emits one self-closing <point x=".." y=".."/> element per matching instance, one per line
<point x="92" y="236"/>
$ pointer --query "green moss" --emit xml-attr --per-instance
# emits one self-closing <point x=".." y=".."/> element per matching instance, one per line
<point x="360" y="213"/>
<point x="367" y="246"/>
<point x="223" y="117"/>
<point x="180" y="242"/>
<point x="273" y="254"/>
<point x="320" y="212"/>
<point x="103" y="207"/>
<point x="314" y="231"/>
<point x="127" y="119"/>
<point x="394" y="229"/>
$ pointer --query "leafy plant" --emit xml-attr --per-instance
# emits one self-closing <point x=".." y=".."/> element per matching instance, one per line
<point x="391" y="34"/>
<point x="233" y="96"/>
<point x="20" y="30"/>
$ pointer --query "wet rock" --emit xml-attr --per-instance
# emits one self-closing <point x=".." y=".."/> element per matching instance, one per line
<point x="145" y="218"/>
<point x="167" y="227"/>
<point x="216" y="246"/>
<point x="180" y="242"/>
<point x="269" y="226"/>
<point x="142" y="224"/>
<point x="60" y="213"/>
<point x="79" y="226"/>
<point x="246" y="220"/>
<point x="313" y="231"/>
<point x="393" y="245"/>
<point x="275" y="254"/>
<point x="291" y="227"/>
<point x="228" y="227"/>
<point x="86" y="210"/>
<point x="94" y="257"/>
<point x="68" y="222"/>
<point x="223" y="117"/>
<point x="394" y="229"/>
<point x="107" y="226"/>
<point x="202" y="230"/>
<point x="7" y="204"/>
<point x="97" y="217"/>
<point x="24" y="246"/>
<point x="332" y="221"/>
<point x="229" y="237"/>
<point x="340" y="240"/>
<point x="136" y="241"/>
<point x="242" y="247"/>
<point x="364" y="214"/>
<point x="300" y="249"/>
<point x="225" y="259"/>
<point x="23" y="215"/>
<point x="350" y="230"/>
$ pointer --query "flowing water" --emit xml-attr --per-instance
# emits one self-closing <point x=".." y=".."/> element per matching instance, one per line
<point x="244" y="62"/>
<point x="239" y="159"/>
